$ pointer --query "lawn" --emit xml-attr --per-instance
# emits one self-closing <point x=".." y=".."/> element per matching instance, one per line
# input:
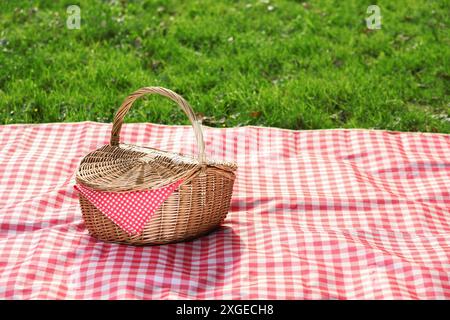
<point x="290" y="64"/>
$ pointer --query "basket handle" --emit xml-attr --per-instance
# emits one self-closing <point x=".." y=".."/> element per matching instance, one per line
<point x="128" y="102"/>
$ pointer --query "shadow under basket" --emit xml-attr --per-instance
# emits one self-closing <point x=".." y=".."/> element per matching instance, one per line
<point x="199" y="204"/>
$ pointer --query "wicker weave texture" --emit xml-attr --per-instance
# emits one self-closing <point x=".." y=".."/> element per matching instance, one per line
<point x="198" y="206"/>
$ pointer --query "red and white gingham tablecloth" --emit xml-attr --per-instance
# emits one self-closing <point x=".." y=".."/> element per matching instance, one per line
<point x="327" y="214"/>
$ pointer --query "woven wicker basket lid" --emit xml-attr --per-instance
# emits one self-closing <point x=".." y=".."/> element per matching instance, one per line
<point x="124" y="167"/>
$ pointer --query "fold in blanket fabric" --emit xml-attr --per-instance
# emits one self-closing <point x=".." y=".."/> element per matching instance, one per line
<point x="130" y="211"/>
<point x="325" y="214"/>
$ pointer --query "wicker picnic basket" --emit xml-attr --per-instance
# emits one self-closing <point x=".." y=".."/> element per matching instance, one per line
<point x="198" y="206"/>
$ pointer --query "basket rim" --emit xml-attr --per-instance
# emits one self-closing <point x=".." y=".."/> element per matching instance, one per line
<point x="223" y="167"/>
<point x="222" y="164"/>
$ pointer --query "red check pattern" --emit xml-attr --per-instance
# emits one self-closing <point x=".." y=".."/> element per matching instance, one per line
<point x="327" y="214"/>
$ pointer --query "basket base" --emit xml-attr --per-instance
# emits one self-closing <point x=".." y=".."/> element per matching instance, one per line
<point x="158" y="243"/>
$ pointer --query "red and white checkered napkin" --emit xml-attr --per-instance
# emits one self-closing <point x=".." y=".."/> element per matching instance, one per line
<point x="129" y="210"/>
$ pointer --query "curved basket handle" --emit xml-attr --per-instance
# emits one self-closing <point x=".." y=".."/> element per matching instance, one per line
<point x="126" y="105"/>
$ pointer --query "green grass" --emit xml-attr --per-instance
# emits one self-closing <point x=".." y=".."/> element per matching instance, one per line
<point x="284" y="63"/>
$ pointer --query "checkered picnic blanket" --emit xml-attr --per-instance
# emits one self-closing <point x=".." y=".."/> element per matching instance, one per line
<point x="327" y="214"/>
